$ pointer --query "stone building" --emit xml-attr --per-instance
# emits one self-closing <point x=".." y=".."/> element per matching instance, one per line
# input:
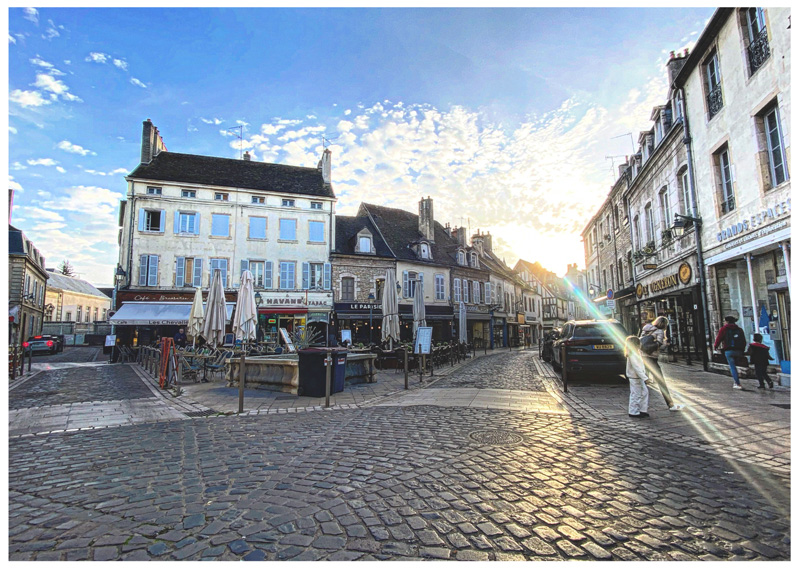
<point x="75" y="300"/>
<point x="27" y="285"/>
<point x="468" y="278"/>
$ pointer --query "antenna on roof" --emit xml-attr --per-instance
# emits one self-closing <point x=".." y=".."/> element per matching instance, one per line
<point x="630" y="135"/>
<point x="327" y="141"/>
<point x="239" y="136"/>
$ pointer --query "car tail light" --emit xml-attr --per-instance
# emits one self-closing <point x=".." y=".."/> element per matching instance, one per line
<point x="37" y="336"/>
<point x="26" y="344"/>
<point x="49" y="343"/>
<point x="574" y="342"/>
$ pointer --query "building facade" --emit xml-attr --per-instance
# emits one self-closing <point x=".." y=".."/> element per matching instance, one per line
<point x="27" y="287"/>
<point x="71" y="299"/>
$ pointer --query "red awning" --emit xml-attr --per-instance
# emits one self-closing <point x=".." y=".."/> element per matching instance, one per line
<point x="283" y="310"/>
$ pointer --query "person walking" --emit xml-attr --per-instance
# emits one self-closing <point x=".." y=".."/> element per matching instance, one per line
<point x="731" y="339"/>
<point x="637" y="377"/>
<point x="657" y="335"/>
<point x="760" y="358"/>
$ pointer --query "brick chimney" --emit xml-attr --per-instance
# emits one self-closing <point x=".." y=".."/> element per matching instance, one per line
<point x="324" y="166"/>
<point x="246" y="157"/>
<point x="487" y="241"/>
<point x="477" y="241"/>
<point x="461" y="236"/>
<point x="426" y="225"/>
<point x="152" y="143"/>
<point x="675" y="64"/>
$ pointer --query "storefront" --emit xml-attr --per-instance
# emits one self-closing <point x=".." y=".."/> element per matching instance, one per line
<point x="673" y="293"/>
<point x="364" y="321"/>
<point x="750" y="274"/>
<point x="294" y="312"/>
<point x="478" y="320"/>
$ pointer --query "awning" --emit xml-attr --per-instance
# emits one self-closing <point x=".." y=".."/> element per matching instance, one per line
<point x="158" y="313"/>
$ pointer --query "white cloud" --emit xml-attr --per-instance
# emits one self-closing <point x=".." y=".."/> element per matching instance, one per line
<point x="11" y="39"/>
<point x="12" y="130"/>
<point x="74" y="148"/>
<point x="18" y="166"/>
<point x="211" y="120"/>
<point x="56" y="87"/>
<point x="121" y="63"/>
<point x="42" y="162"/>
<point x="61" y="170"/>
<point x="51" y="69"/>
<point x="98" y="57"/>
<point x="118" y="171"/>
<point x="138" y="83"/>
<point x="27" y="98"/>
<point x="347" y="112"/>
<point x="51" y="31"/>
<point x="12" y="184"/>
<point x="31" y="14"/>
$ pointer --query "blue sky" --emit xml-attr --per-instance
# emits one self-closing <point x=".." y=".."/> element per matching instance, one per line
<point x="503" y="116"/>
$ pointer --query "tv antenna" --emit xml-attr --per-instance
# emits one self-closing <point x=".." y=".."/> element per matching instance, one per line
<point x="239" y="136"/>
<point x="629" y="135"/>
<point x="327" y="141"/>
<point x="613" y="168"/>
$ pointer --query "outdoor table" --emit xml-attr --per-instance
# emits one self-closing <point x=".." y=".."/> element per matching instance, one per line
<point x="192" y="356"/>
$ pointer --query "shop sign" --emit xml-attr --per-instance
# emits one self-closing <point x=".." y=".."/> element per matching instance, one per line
<point x="123" y="296"/>
<point x="754" y="221"/>
<point x="291" y="301"/>
<point x="520" y="318"/>
<point x="477" y="309"/>
<point x="756" y="234"/>
<point x="683" y="276"/>
<point x="357" y="307"/>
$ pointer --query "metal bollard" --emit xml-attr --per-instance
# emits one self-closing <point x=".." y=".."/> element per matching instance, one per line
<point x="564" y="375"/>
<point x="405" y="365"/>
<point x="13" y="363"/>
<point x="30" y="359"/>
<point x="328" y="366"/>
<point x="241" y="384"/>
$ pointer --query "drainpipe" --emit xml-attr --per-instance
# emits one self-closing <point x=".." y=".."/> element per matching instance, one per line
<point x="687" y="141"/>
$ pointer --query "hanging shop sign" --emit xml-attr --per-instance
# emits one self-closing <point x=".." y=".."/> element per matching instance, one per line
<point x="750" y="224"/>
<point x="682" y="277"/>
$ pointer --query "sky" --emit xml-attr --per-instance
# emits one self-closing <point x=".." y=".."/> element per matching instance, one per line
<point x="507" y="118"/>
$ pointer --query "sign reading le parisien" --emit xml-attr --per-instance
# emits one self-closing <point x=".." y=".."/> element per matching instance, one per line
<point x="682" y="276"/>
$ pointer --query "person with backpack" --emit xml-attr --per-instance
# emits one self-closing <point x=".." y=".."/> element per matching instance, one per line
<point x="760" y="358"/>
<point x="731" y="339"/>
<point x="651" y="340"/>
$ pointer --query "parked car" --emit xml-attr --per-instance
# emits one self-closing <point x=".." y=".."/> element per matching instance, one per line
<point x="44" y="344"/>
<point x="547" y="344"/>
<point x="590" y="347"/>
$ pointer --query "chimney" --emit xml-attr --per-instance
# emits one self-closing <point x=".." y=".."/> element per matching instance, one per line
<point x="461" y="236"/>
<point x="426" y="218"/>
<point x="487" y="241"/>
<point x="152" y="143"/>
<point x="324" y="166"/>
<point x="674" y="66"/>
<point x="246" y="157"/>
<point x="477" y="242"/>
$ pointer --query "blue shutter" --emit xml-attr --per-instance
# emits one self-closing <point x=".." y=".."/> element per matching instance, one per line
<point x="268" y="274"/>
<point x="180" y="271"/>
<point x="143" y="270"/>
<point x="141" y="219"/>
<point x="162" y="220"/>
<point x="152" y="271"/>
<point x="406" y="291"/>
<point x="198" y="273"/>
<point x="306" y="275"/>
<point x="243" y="265"/>
<point x="197" y="223"/>
<point x="326" y="276"/>
<point x="457" y="290"/>
<point x="177" y="225"/>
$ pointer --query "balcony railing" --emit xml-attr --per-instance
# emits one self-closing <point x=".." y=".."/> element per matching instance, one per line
<point x="758" y="51"/>
<point x="728" y="205"/>
<point x="714" y="99"/>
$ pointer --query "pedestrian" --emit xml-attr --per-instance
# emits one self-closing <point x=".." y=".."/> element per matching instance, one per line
<point x="732" y="343"/>
<point x="637" y="376"/>
<point x="180" y="338"/>
<point x="760" y="358"/>
<point x="656" y="329"/>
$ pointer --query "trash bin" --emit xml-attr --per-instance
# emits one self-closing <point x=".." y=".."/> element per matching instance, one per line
<point x="311" y="371"/>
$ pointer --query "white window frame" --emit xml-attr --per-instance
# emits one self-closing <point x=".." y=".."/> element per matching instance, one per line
<point x="287" y="202"/>
<point x="462" y="258"/>
<point x="191" y="223"/>
<point x="424" y="250"/>
<point x="666" y="210"/>
<point x="189" y="193"/>
<point x="221" y="264"/>
<point x="725" y="171"/>
<point x="153" y="190"/>
<point x="316" y="205"/>
<point x="686" y="193"/>
<point x="361" y="240"/>
<point x="476" y="292"/>
<point x="439" y="292"/>
<point x="257" y="200"/>
<point x="221" y="196"/>
<point x="772" y="151"/>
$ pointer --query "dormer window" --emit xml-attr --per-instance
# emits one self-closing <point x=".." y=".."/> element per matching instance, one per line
<point x="473" y="260"/>
<point x="462" y="258"/>
<point x="365" y="244"/>
<point x="424" y="250"/>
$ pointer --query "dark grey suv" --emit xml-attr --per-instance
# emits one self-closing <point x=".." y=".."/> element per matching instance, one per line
<point x="590" y="348"/>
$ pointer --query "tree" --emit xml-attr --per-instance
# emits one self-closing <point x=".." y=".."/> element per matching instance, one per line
<point x="66" y="269"/>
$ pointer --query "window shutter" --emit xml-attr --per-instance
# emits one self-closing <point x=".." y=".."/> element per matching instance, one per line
<point x="326" y="276"/>
<point x="162" y="220"/>
<point x="177" y="225"/>
<point x="244" y="264"/>
<point x="152" y="271"/>
<point x="306" y="275"/>
<point x="457" y="290"/>
<point x="406" y="291"/>
<point x="487" y="293"/>
<point x="143" y="270"/>
<point x="198" y="272"/>
<point x="141" y="219"/>
<point x="180" y="271"/>
<point x="268" y="274"/>
<point x="466" y="291"/>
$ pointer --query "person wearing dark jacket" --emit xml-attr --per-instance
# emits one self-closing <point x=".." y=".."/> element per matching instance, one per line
<point x="731" y="351"/>
<point x="760" y="358"/>
<point x="180" y="338"/>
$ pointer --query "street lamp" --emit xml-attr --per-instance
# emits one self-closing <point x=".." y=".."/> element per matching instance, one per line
<point x="259" y="299"/>
<point x="371" y="297"/>
<point x="683" y="222"/>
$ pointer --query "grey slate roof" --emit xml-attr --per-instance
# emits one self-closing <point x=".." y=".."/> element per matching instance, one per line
<point x="209" y="170"/>
<point x="346" y="230"/>
<point x="60" y="282"/>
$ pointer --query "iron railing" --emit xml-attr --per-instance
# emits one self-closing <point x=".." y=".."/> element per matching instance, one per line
<point x="758" y="51"/>
<point x="714" y="99"/>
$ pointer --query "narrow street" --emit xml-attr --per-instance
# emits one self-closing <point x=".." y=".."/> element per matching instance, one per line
<point x="420" y="474"/>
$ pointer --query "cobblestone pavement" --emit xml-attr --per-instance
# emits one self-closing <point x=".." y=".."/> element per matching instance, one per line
<point x="510" y="371"/>
<point x="393" y="482"/>
<point x="72" y="354"/>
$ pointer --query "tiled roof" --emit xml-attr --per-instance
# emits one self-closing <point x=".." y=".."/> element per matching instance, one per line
<point x="226" y="172"/>
<point x="346" y="230"/>
<point x="61" y="282"/>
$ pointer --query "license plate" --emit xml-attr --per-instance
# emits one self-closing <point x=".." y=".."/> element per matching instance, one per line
<point x="603" y="346"/>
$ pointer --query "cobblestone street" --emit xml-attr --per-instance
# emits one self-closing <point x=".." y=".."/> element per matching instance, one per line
<point x="392" y="481"/>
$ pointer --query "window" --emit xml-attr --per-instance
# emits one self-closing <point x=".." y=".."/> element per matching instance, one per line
<point x="424" y="250"/>
<point x="410" y="282"/>
<point x="722" y="163"/>
<point x="148" y="270"/>
<point x="476" y="292"/>
<point x="78" y="311"/>
<point x="473" y="260"/>
<point x="462" y="258"/>
<point x="758" y="47"/>
<point x="637" y="234"/>
<point x="220" y="225"/>
<point x="68" y="316"/>
<point x="380" y="284"/>
<point x="316" y="205"/>
<point x="287" y="203"/>
<point x="364" y="244"/>
<point x="685" y="193"/>
<point x="713" y="79"/>
<point x="96" y="313"/>
<point x="105" y="314"/>
<point x="775" y="146"/>
<point x="218" y="196"/>
<point x="438" y="288"/>
<point x="316" y="275"/>
<point x="220" y="264"/>
<point x="288" y="230"/>
<point x="287" y="280"/>
<point x="666" y="212"/>
<point x="620" y="281"/>
<point x="87" y="314"/>
<point x="151" y="220"/>
<point x="649" y="226"/>
<point x="257" y="269"/>
<point x="348" y="289"/>
<point x="487" y="293"/>
<point x="465" y="290"/>
<point x="153" y="191"/>
<point x="188" y="272"/>
<point x="257" y="228"/>
<point x="457" y="290"/>
<point x="316" y="231"/>
<point x="188" y="193"/>
<point x="186" y="223"/>
<point x="616" y="217"/>
<point x="257" y="199"/>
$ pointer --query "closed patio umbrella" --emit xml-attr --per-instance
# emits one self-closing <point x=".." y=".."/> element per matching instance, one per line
<point x="195" y="326"/>
<point x="419" y="307"/>
<point x="390" y="327"/>
<point x="462" y="322"/>
<point x="214" y="322"/>
<point x="245" y="315"/>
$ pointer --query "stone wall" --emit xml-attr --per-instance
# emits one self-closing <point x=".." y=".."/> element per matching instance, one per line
<point x="364" y="269"/>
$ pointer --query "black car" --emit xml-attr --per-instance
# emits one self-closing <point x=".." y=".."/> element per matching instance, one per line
<point x="590" y="347"/>
<point x="44" y="344"/>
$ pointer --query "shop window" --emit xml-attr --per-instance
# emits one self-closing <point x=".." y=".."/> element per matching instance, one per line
<point x="724" y="172"/>
<point x="348" y="289"/>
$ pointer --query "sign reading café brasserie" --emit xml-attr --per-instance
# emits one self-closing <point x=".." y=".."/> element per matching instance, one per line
<point x="682" y="277"/>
